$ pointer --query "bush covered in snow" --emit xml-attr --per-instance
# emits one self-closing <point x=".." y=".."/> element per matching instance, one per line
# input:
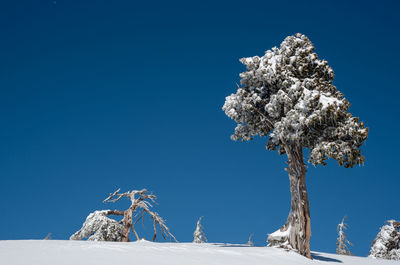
<point x="387" y="243"/>
<point x="98" y="227"/>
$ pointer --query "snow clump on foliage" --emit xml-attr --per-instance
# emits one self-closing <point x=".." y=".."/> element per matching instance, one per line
<point x="342" y="242"/>
<point x="199" y="235"/>
<point x="387" y="243"/>
<point x="288" y="94"/>
<point x="98" y="227"/>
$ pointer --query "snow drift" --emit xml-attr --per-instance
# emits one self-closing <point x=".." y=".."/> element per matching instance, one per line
<point x="60" y="252"/>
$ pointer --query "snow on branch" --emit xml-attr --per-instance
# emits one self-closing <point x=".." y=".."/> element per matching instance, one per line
<point x="288" y="95"/>
<point x="199" y="235"/>
<point x="342" y="242"/>
<point x="99" y="227"/>
<point x="250" y="242"/>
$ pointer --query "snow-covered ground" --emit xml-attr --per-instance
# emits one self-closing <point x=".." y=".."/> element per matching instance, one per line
<point x="58" y="252"/>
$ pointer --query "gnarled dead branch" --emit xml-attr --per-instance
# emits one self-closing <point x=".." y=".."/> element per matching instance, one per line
<point x="139" y="200"/>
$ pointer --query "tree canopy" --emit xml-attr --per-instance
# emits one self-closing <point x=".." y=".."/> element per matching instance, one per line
<point x="288" y="95"/>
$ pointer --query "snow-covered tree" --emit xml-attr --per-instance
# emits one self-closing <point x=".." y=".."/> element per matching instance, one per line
<point x="140" y="205"/>
<point x="288" y="95"/>
<point x="98" y="227"/>
<point x="250" y="242"/>
<point x="48" y="237"/>
<point x="387" y="242"/>
<point x="342" y="243"/>
<point x="198" y="235"/>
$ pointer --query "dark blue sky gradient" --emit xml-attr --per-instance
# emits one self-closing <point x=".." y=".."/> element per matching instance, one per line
<point x="96" y="95"/>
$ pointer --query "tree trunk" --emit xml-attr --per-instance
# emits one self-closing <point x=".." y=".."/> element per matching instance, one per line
<point x="127" y="221"/>
<point x="296" y="233"/>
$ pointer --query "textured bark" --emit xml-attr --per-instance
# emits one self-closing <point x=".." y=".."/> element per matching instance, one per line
<point x="299" y="216"/>
<point x="115" y="212"/>
<point x="139" y="200"/>
<point x="297" y="229"/>
<point x="127" y="221"/>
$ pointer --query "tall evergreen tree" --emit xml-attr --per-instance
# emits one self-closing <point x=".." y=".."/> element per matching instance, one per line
<point x="288" y="95"/>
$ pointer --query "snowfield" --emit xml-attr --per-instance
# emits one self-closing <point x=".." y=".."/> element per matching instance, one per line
<point x="58" y="252"/>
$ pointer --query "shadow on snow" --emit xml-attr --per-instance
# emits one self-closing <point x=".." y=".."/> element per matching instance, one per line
<point x="317" y="256"/>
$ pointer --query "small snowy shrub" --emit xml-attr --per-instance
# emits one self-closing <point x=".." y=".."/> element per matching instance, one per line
<point x="98" y="227"/>
<point x="199" y="235"/>
<point x="386" y="245"/>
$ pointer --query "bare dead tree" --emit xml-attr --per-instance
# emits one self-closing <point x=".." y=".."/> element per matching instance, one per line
<point x="140" y="205"/>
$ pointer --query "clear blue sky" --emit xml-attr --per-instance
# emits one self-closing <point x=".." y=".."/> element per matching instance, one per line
<point x="96" y="95"/>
